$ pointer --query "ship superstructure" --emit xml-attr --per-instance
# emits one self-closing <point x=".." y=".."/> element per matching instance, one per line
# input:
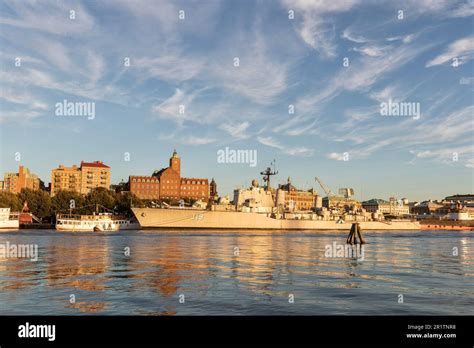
<point x="266" y="208"/>
<point x="9" y="220"/>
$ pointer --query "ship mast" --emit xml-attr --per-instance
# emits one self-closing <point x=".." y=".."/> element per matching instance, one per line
<point x="267" y="173"/>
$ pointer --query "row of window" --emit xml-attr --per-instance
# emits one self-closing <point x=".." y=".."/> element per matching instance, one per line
<point x="191" y="188"/>
<point x="188" y="182"/>
<point x="152" y="185"/>
<point x="134" y="186"/>
<point x="145" y="180"/>
<point x="170" y="187"/>
<point x="193" y="182"/>
<point x="90" y="223"/>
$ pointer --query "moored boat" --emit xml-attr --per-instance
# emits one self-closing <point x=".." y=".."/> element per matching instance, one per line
<point x="9" y="220"/>
<point x="259" y="208"/>
<point x="101" y="222"/>
<point x="178" y="218"/>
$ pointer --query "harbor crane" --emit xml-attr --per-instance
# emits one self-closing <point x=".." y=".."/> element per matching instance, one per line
<point x="324" y="187"/>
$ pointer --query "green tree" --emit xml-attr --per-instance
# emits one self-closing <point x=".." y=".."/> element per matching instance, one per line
<point x="123" y="202"/>
<point x="102" y="197"/>
<point x="10" y="200"/>
<point x="38" y="201"/>
<point x="64" y="200"/>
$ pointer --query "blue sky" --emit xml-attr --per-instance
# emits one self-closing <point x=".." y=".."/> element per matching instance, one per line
<point x="426" y="57"/>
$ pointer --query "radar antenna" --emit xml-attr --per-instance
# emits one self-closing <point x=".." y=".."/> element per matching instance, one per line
<point x="267" y="173"/>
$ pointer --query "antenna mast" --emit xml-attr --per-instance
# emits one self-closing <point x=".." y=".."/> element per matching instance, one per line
<point x="267" y="173"/>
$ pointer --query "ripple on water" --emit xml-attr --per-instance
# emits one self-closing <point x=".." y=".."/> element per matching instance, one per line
<point x="237" y="273"/>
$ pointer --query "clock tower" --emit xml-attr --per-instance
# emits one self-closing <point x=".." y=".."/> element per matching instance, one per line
<point x="175" y="162"/>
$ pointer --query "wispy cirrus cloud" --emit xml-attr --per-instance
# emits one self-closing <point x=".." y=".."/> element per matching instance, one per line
<point x="450" y="155"/>
<point x="316" y="29"/>
<point x="23" y="98"/>
<point x="373" y="50"/>
<point x="190" y="62"/>
<point x="251" y="72"/>
<point x="299" y="151"/>
<point x="269" y="141"/>
<point x="196" y="141"/>
<point x="19" y="116"/>
<point x="53" y="17"/>
<point x="347" y="34"/>
<point x="177" y="107"/>
<point x="359" y="77"/>
<point x="462" y="50"/>
<point x="465" y="9"/>
<point x="438" y="138"/>
<point x="170" y="66"/>
<point x="236" y="130"/>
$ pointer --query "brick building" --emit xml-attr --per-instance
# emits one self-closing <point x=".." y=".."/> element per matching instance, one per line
<point x="65" y="179"/>
<point x="81" y="179"/>
<point x="94" y="174"/>
<point x="145" y="187"/>
<point x="15" y="182"/>
<point x="167" y="183"/>
<point x="294" y="199"/>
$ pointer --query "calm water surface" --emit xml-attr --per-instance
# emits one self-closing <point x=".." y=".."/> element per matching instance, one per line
<point x="230" y="273"/>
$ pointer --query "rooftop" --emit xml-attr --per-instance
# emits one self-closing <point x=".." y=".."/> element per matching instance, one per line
<point x="96" y="164"/>
<point x="376" y="201"/>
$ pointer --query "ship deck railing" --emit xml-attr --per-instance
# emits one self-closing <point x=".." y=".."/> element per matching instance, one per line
<point x="87" y="217"/>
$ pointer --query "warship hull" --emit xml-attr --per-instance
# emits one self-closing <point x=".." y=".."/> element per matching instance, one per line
<point x="171" y="218"/>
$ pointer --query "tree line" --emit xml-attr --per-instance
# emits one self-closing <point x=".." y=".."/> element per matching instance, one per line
<point x="45" y="207"/>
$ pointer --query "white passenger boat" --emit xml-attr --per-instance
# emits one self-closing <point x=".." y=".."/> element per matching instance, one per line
<point x="9" y="220"/>
<point x="100" y="222"/>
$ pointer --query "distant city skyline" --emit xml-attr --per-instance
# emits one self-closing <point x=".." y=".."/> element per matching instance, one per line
<point x="377" y="96"/>
<point x="278" y="179"/>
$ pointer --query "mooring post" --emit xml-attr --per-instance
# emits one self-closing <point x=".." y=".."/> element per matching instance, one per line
<point x="355" y="235"/>
<point x="351" y="234"/>
<point x="359" y="233"/>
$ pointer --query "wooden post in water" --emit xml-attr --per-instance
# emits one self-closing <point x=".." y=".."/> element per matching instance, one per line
<point x="350" y="237"/>
<point x="359" y="233"/>
<point x="355" y="235"/>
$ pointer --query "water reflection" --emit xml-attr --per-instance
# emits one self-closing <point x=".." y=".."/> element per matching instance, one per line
<point x="249" y="273"/>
